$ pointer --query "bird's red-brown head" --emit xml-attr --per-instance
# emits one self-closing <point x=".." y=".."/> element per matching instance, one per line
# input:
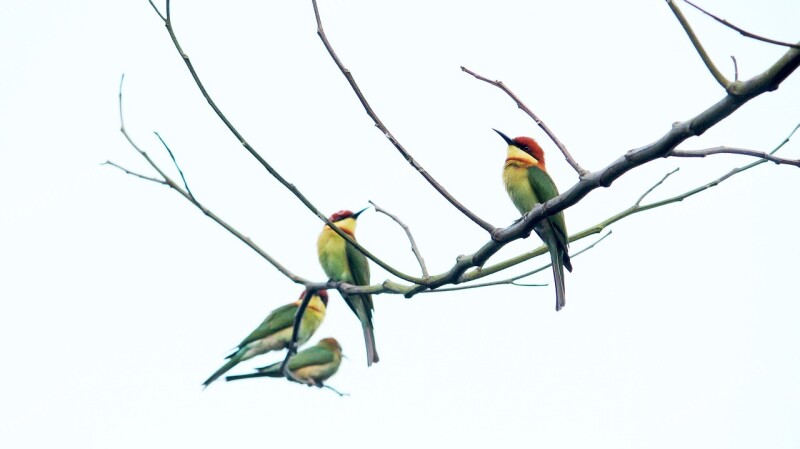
<point x="526" y="144"/>
<point x="345" y="214"/>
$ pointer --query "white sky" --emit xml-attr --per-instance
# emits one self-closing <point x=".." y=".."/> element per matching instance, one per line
<point x="119" y="298"/>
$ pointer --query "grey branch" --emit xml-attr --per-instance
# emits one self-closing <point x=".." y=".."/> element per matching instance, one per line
<point x="414" y="247"/>
<point x="378" y="123"/>
<point x="175" y="162"/>
<point x="729" y="150"/>
<point x="580" y="170"/>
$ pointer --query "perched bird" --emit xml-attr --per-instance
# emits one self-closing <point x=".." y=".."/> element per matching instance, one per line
<point x="528" y="184"/>
<point x="342" y="262"/>
<point x="275" y="332"/>
<point x="311" y="365"/>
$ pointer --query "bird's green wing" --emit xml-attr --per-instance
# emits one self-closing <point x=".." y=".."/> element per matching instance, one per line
<point x="359" y="266"/>
<point x="314" y="355"/>
<point x="278" y="319"/>
<point x="545" y="189"/>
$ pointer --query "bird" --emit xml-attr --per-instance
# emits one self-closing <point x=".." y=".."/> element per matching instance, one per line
<point x="275" y="332"/>
<point x="528" y="184"/>
<point x="312" y="365"/>
<point x="342" y="262"/>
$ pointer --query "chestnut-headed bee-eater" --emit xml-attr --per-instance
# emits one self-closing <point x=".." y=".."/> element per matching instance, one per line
<point x="312" y="365"/>
<point x="342" y="262"/>
<point x="275" y="332"/>
<point x="528" y="184"/>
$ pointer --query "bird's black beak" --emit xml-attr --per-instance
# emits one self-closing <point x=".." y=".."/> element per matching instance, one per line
<point x="505" y="137"/>
<point x="355" y="215"/>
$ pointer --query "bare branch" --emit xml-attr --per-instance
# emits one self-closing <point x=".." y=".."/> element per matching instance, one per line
<point x="334" y="390"/>
<point x="513" y="280"/>
<point x="655" y="186"/>
<point x="158" y="181"/>
<point x="735" y="69"/>
<point x="169" y="182"/>
<point x="289" y="186"/>
<point x="414" y="247"/>
<point x="729" y="150"/>
<point x="741" y="31"/>
<point x="724" y="82"/>
<point x="157" y="11"/>
<point x="172" y="156"/>
<point x="580" y="170"/>
<point x="378" y="123"/>
<point x="291" y="350"/>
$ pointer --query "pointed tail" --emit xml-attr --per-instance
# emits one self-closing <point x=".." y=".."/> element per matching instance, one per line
<point x="557" y="256"/>
<point x="273" y="370"/>
<point x="227" y="366"/>
<point x="369" y="340"/>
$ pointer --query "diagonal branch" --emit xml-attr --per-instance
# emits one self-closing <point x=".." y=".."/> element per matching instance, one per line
<point x="175" y="162"/>
<point x="741" y="31"/>
<point x="173" y="185"/>
<point x="581" y="171"/>
<point x="379" y="124"/>
<point x="289" y="186"/>
<point x="729" y="150"/>
<point x="724" y="82"/>
<point x="414" y="247"/>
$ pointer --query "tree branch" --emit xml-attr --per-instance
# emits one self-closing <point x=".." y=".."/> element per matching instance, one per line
<point x="379" y="124"/>
<point x="175" y="162"/>
<point x="580" y="170"/>
<point x="289" y="186"/>
<point x="729" y="150"/>
<point x="170" y="183"/>
<point x="414" y="247"/>
<point x="741" y="31"/>
<point x="724" y="82"/>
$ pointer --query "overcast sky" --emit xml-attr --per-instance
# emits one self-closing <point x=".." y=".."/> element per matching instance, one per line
<point x="118" y="298"/>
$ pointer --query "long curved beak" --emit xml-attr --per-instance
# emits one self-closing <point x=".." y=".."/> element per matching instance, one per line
<point x="505" y="137"/>
<point x="355" y="215"/>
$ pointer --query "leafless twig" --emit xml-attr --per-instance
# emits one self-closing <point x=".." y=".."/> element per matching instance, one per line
<point x="735" y="69"/>
<point x="289" y="186"/>
<point x="379" y="124"/>
<point x="729" y="150"/>
<point x="175" y="162"/>
<point x="414" y="247"/>
<point x="580" y="170"/>
<point x="291" y="349"/>
<point x="741" y="31"/>
<point x="715" y="72"/>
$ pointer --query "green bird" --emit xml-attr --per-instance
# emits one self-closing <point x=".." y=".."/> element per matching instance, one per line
<point x="528" y="184"/>
<point x="312" y="365"/>
<point x="342" y="262"/>
<point x="275" y="332"/>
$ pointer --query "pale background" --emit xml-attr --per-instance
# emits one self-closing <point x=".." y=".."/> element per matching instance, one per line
<point x="119" y="298"/>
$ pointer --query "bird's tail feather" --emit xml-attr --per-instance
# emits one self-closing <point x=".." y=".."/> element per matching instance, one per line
<point x="267" y="373"/>
<point x="369" y="340"/>
<point x="557" y="257"/>
<point x="227" y="366"/>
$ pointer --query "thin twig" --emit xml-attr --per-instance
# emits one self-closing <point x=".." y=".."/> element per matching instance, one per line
<point x="379" y="124"/>
<point x="724" y="82"/>
<point x="157" y="11"/>
<point x="654" y="186"/>
<point x="334" y="390"/>
<point x="132" y="173"/>
<point x="580" y="170"/>
<point x="289" y="186"/>
<point x="735" y="69"/>
<point x="174" y="162"/>
<point x="414" y="247"/>
<point x="741" y="31"/>
<point x="169" y="182"/>
<point x="729" y="150"/>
